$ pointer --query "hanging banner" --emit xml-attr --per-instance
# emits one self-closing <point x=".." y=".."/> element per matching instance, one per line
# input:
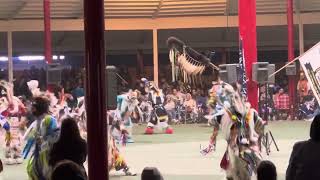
<point x="310" y="62"/>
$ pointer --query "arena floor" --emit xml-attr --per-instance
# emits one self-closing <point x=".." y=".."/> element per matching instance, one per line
<point x="177" y="156"/>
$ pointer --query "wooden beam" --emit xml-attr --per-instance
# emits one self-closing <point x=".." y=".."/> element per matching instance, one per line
<point x="156" y="12"/>
<point x="17" y="10"/>
<point x="194" y="2"/>
<point x="10" y="61"/>
<point x="158" y="23"/>
<point x="121" y="8"/>
<point x="192" y="10"/>
<point x="193" y="6"/>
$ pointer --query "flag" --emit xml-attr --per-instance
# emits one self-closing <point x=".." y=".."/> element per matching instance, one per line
<point x="310" y="63"/>
<point x="242" y="77"/>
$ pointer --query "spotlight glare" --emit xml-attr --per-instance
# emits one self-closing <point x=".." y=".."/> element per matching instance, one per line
<point x="3" y="58"/>
<point x="31" y="58"/>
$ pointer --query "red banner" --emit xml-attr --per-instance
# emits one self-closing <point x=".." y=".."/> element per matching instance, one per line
<point x="247" y="31"/>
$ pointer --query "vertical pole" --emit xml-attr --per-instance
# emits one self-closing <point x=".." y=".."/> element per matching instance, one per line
<point x="301" y="35"/>
<point x="248" y="33"/>
<point x="10" y="63"/>
<point x="155" y="57"/>
<point x="95" y="89"/>
<point x="47" y="31"/>
<point x="301" y="29"/>
<point x="292" y="86"/>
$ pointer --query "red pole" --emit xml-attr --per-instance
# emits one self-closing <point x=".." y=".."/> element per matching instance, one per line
<point x="47" y="36"/>
<point x="248" y="33"/>
<point x="292" y="86"/>
<point x="47" y="31"/>
<point x="95" y="89"/>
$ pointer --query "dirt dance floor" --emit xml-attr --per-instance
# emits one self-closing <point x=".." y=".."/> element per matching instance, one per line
<point x="177" y="156"/>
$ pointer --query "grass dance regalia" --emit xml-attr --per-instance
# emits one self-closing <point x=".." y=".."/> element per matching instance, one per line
<point x="241" y="127"/>
<point x="127" y="107"/>
<point x="40" y="136"/>
<point x="117" y="134"/>
<point x="116" y="130"/>
<point x="159" y="116"/>
<point x="12" y="115"/>
<point x="44" y="131"/>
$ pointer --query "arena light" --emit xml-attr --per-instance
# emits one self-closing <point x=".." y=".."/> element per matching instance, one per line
<point x="31" y="58"/>
<point x="62" y="57"/>
<point x="3" y="58"/>
<point x="54" y="57"/>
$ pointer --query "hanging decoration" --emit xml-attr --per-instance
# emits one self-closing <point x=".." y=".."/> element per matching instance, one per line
<point x="187" y="64"/>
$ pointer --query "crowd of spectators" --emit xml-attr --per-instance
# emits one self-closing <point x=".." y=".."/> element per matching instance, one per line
<point x="276" y="105"/>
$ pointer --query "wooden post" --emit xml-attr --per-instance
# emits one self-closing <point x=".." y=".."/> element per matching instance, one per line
<point x="95" y="96"/>
<point x="292" y="83"/>
<point x="301" y="34"/>
<point x="10" y="61"/>
<point x="155" y="57"/>
<point x="47" y="31"/>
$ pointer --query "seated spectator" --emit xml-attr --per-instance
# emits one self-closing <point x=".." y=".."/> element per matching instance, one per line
<point x="170" y="108"/>
<point x="177" y="96"/>
<point x="282" y="103"/>
<point x="151" y="173"/>
<point x="70" y="145"/>
<point x="68" y="170"/>
<point x="305" y="157"/>
<point x="201" y="99"/>
<point x="266" y="171"/>
<point x="190" y="104"/>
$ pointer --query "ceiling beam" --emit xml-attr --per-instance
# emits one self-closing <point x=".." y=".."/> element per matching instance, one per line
<point x="194" y="2"/>
<point x="193" y="6"/>
<point x="208" y="9"/>
<point x="156" y="12"/>
<point x="158" y="23"/>
<point x="227" y="9"/>
<point x="17" y="10"/>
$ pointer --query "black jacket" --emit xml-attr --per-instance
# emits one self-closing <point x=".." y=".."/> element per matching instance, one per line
<point x="304" y="162"/>
<point x="74" y="151"/>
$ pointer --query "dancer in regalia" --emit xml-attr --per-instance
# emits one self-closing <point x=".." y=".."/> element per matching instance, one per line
<point x="241" y="127"/>
<point x="116" y="133"/>
<point x="127" y="107"/>
<point x="159" y="116"/>
<point x="12" y="116"/>
<point x="40" y="136"/>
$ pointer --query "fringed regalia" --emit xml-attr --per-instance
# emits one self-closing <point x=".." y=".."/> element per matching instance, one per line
<point x="40" y="136"/>
<point x="241" y="127"/>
